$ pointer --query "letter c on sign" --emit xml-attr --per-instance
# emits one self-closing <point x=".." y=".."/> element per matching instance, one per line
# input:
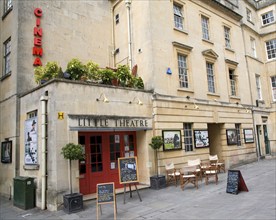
<point x="38" y="12"/>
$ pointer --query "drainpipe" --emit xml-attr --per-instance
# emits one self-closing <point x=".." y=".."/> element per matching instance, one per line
<point x="251" y="95"/>
<point x="128" y="3"/>
<point x="43" y="100"/>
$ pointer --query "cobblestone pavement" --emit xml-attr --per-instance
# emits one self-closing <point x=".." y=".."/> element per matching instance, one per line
<point x="207" y="202"/>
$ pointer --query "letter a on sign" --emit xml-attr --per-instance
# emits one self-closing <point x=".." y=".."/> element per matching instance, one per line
<point x="60" y="115"/>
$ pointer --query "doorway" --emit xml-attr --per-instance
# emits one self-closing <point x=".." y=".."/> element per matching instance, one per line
<point x="102" y="151"/>
<point x="214" y="131"/>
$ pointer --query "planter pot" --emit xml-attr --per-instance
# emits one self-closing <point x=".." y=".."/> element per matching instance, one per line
<point x="72" y="202"/>
<point x="157" y="182"/>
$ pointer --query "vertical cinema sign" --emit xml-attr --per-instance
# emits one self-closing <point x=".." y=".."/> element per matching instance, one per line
<point x="37" y="48"/>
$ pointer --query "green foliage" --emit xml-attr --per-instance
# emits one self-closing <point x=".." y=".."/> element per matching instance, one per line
<point x="107" y="75"/>
<point x="49" y="71"/>
<point x="156" y="142"/>
<point x="76" y="69"/>
<point x="124" y="76"/>
<point x="72" y="152"/>
<point x="138" y="83"/>
<point x="93" y="71"/>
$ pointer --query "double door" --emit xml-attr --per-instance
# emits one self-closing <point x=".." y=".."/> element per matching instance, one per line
<point x="102" y="151"/>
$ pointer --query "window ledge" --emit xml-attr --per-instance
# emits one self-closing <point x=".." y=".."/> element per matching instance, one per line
<point x="207" y="41"/>
<point x="5" y="76"/>
<point x="31" y="167"/>
<point x="265" y="25"/>
<point x="229" y="49"/>
<point x="182" y="31"/>
<point x="7" y="12"/>
<point x="235" y="97"/>
<point x="271" y="60"/>
<point x="213" y="94"/>
<point x="185" y="90"/>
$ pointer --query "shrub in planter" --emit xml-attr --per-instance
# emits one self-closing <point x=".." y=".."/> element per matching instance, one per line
<point x="124" y="76"/>
<point x="138" y="83"/>
<point x="72" y="202"/>
<point x="76" y="69"/>
<point x="49" y="71"/>
<point x="93" y="71"/>
<point x="107" y="75"/>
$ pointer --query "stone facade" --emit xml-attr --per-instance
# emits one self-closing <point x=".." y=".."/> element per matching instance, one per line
<point x="103" y="32"/>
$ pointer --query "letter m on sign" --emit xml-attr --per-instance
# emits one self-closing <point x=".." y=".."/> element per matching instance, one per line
<point x="38" y="51"/>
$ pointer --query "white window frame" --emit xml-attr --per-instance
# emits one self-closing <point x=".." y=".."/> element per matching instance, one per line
<point x="178" y="16"/>
<point x="258" y="87"/>
<point x="227" y="37"/>
<point x="253" y="47"/>
<point x="249" y="14"/>
<point x="271" y="49"/>
<point x="267" y="18"/>
<point x="210" y="77"/>
<point x="183" y="70"/>
<point x="233" y="82"/>
<point x="273" y="87"/>
<point x="7" y="57"/>
<point x="238" y="131"/>
<point x="205" y="27"/>
<point x="7" y="5"/>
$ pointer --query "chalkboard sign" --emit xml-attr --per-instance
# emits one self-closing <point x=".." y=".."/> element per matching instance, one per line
<point x="105" y="193"/>
<point x="128" y="170"/>
<point x="233" y="181"/>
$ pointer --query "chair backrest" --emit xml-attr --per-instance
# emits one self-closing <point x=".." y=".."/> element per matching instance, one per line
<point x="195" y="162"/>
<point x="188" y="169"/>
<point x="213" y="157"/>
<point x="169" y="165"/>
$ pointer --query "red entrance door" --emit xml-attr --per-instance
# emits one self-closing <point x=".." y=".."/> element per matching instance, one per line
<point x="102" y="151"/>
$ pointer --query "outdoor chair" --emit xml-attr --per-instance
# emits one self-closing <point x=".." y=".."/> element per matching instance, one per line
<point x="220" y="163"/>
<point x="173" y="175"/>
<point x="188" y="175"/>
<point x="197" y="163"/>
<point x="211" y="172"/>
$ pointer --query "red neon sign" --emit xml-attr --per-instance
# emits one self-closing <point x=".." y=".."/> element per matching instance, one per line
<point x="37" y="49"/>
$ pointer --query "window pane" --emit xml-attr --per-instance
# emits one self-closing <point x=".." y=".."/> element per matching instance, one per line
<point x="182" y="71"/>
<point x="210" y="77"/>
<point x="178" y="17"/>
<point x="188" y="138"/>
<point x="271" y="49"/>
<point x="205" y="27"/>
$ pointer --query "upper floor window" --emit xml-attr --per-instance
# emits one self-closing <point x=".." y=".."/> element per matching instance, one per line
<point x="117" y="18"/>
<point x="233" y="82"/>
<point x="7" y="5"/>
<point x="183" y="71"/>
<point x="188" y="136"/>
<point x="7" y="57"/>
<point x="210" y="77"/>
<point x="267" y="18"/>
<point x="227" y="37"/>
<point x="248" y="14"/>
<point x="178" y="17"/>
<point x="253" y="47"/>
<point x="205" y="27"/>
<point x="271" y="49"/>
<point x="258" y="87"/>
<point x="273" y="86"/>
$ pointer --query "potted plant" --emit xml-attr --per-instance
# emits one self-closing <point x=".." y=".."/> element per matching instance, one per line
<point x="124" y="76"/>
<point x="49" y="71"/>
<point x="107" y="75"/>
<point x="93" y="73"/>
<point x="76" y="69"/>
<point x="157" y="181"/>
<point x="72" y="202"/>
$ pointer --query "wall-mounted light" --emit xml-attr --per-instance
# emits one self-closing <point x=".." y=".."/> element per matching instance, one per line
<point x="196" y="106"/>
<point x="102" y="98"/>
<point x="136" y="100"/>
<point x="188" y="97"/>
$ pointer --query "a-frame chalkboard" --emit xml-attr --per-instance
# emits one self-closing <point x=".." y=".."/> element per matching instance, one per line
<point x="235" y="182"/>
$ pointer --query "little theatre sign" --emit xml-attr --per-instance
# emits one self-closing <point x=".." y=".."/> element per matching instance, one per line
<point x="100" y="122"/>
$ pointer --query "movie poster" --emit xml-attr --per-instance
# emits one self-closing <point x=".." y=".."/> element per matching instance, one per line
<point x="30" y="131"/>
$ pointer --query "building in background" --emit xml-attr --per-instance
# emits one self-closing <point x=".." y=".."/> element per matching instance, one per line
<point x="208" y="69"/>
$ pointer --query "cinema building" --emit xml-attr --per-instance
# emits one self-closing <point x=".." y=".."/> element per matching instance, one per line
<point x="208" y="69"/>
